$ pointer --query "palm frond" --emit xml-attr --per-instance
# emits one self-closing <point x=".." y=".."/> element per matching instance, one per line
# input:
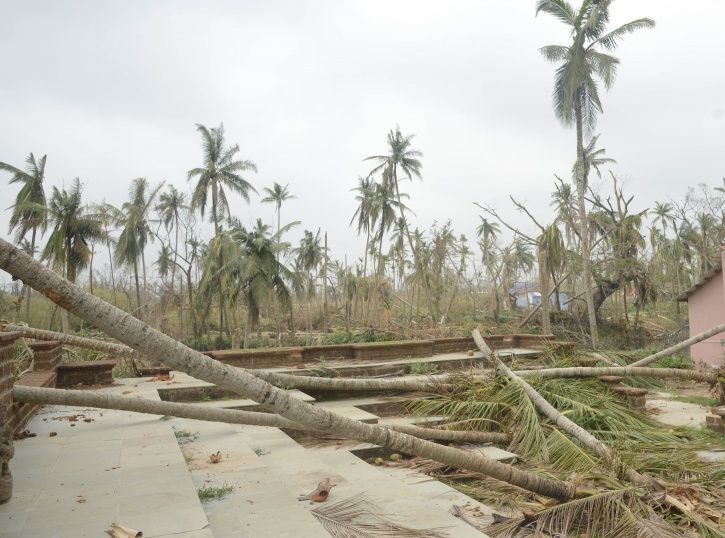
<point x="359" y="517"/>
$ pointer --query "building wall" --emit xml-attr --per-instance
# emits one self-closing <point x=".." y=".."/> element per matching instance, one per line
<point x="706" y="309"/>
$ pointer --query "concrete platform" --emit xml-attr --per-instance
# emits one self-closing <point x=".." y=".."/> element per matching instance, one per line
<point x="119" y="467"/>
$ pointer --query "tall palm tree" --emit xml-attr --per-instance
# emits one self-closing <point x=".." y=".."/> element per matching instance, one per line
<point x="487" y="232"/>
<point x="170" y="206"/>
<point x="277" y="195"/>
<point x="576" y="94"/>
<point x="106" y="214"/>
<point x="133" y="217"/>
<point x="258" y="272"/>
<point x="219" y="171"/>
<point x="364" y="213"/>
<point x="307" y="260"/>
<point x="73" y="228"/>
<point x="386" y="205"/>
<point x="29" y="208"/>
<point x="663" y="215"/>
<point x="401" y="157"/>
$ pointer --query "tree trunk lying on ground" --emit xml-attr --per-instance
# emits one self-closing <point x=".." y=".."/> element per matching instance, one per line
<point x="156" y="345"/>
<point x="570" y="427"/>
<point x="679" y="347"/>
<point x="105" y="400"/>
<point x="78" y="341"/>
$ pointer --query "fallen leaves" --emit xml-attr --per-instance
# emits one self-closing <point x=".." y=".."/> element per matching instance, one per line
<point x="119" y="531"/>
<point x="216" y="457"/>
<point x="24" y="435"/>
<point x="321" y="494"/>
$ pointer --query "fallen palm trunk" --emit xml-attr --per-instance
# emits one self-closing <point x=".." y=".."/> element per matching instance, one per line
<point x="103" y="400"/>
<point x="570" y="427"/>
<point x="154" y="344"/>
<point x="682" y="345"/>
<point x="590" y="371"/>
<point x="77" y="341"/>
<point x="432" y="383"/>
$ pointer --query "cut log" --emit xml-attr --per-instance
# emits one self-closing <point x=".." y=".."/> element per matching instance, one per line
<point x="105" y="400"/>
<point x="679" y="347"/>
<point x="156" y="345"/>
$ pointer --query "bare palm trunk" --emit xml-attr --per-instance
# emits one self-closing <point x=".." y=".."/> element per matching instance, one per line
<point x="90" y="268"/>
<point x="110" y="259"/>
<point x="29" y="290"/>
<point x="544" y="290"/>
<point x="104" y="400"/>
<point x="145" y="289"/>
<point x="682" y="345"/>
<point x="155" y="344"/>
<point x="138" y="288"/>
<point x="584" y="226"/>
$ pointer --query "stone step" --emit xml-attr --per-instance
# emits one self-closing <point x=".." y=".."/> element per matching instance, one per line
<point x="301" y="469"/>
<point x="261" y="503"/>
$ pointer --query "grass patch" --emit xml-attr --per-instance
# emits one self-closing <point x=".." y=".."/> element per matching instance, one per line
<point x="185" y="434"/>
<point x="697" y="400"/>
<point x="211" y="493"/>
<point x="422" y="368"/>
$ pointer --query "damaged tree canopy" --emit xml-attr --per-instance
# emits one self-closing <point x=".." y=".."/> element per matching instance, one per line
<point x="154" y="344"/>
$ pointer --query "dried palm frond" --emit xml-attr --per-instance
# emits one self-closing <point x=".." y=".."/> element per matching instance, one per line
<point x="612" y="513"/>
<point x="359" y="517"/>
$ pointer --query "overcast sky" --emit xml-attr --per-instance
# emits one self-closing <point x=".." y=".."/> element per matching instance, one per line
<point x="111" y="91"/>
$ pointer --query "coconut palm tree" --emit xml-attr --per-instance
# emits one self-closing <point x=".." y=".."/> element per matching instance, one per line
<point x="308" y="257"/>
<point x="219" y="171"/>
<point x="364" y="213"/>
<point x="133" y="218"/>
<point x="277" y="195"/>
<point x="106" y="215"/>
<point x="401" y="157"/>
<point x="582" y="63"/>
<point x="28" y="212"/>
<point x="258" y="272"/>
<point x="663" y="214"/>
<point x="73" y="228"/>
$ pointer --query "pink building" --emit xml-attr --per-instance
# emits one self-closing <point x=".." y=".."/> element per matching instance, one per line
<point x="706" y="306"/>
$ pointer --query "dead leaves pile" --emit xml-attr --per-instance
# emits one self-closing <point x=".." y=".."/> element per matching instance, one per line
<point x="216" y="457"/>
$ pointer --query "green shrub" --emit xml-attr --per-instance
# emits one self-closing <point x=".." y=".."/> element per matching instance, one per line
<point x="422" y="368"/>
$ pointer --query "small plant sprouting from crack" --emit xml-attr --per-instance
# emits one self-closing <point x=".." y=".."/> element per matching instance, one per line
<point x="211" y="493"/>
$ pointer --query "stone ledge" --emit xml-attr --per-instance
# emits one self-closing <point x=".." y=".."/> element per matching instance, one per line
<point x="85" y="373"/>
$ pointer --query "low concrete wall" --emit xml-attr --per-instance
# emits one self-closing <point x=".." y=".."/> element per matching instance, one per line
<point x="393" y="350"/>
<point x="259" y="358"/>
<point x="453" y="344"/>
<point x="85" y="373"/>
<point x="332" y="352"/>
